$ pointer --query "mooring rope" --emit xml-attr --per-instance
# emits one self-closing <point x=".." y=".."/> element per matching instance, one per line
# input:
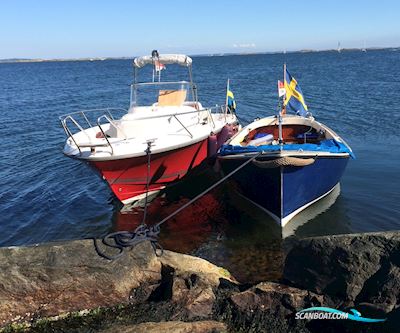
<point x="148" y="152"/>
<point x="128" y="239"/>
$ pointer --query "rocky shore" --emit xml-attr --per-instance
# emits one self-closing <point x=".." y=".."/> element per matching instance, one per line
<point x="67" y="287"/>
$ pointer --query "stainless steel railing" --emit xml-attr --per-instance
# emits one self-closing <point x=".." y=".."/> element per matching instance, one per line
<point x="84" y="115"/>
<point x="107" y="114"/>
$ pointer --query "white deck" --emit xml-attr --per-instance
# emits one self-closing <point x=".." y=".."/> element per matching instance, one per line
<point x="167" y="127"/>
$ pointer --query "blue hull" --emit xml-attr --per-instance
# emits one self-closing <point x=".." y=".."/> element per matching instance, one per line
<point x="286" y="190"/>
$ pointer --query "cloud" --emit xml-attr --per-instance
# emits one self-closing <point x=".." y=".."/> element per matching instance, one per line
<point x="244" y="45"/>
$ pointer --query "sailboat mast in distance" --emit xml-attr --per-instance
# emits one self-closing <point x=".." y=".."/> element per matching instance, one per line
<point x="364" y="49"/>
<point x="339" y="49"/>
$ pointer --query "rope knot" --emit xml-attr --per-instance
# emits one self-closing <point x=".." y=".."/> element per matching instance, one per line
<point x="121" y="240"/>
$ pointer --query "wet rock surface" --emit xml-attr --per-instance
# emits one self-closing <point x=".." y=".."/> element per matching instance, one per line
<point x="275" y="298"/>
<point x="170" y="327"/>
<point x="266" y="307"/>
<point x="63" y="279"/>
<point x="351" y="269"/>
<point x="49" y="280"/>
<point x="141" y="292"/>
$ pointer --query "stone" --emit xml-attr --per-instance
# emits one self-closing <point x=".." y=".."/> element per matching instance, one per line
<point x="170" y="327"/>
<point x="67" y="286"/>
<point x="265" y="307"/>
<point x="51" y="279"/>
<point x="186" y="265"/>
<point x="274" y="298"/>
<point x="382" y="289"/>
<point x="349" y="268"/>
<point x="194" y="282"/>
<point x="59" y="278"/>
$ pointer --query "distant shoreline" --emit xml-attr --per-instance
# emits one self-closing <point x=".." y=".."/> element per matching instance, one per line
<point x="24" y="60"/>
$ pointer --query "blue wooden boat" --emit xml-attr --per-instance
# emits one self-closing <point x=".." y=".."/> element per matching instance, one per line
<point x="296" y="160"/>
<point x="301" y="161"/>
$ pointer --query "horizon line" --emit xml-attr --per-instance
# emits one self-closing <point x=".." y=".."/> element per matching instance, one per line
<point x="209" y="54"/>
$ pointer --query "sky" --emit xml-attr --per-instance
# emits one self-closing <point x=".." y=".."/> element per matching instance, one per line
<point x="125" y="28"/>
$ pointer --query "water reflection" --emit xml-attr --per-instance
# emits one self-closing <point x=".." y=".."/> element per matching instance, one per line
<point x="229" y="231"/>
<point x="187" y="230"/>
<point x="243" y="242"/>
<point x="325" y="217"/>
<point x="190" y="228"/>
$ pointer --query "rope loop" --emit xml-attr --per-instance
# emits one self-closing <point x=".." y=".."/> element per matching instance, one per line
<point x="121" y="240"/>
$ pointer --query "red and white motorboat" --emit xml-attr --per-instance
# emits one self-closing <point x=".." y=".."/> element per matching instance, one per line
<point x="164" y="117"/>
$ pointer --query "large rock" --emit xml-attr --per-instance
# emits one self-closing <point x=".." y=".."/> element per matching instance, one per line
<point x="170" y="327"/>
<point x="51" y="279"/>
<point x="193" y="297"/>
<point x="275" y="298"/>
<point x="59" y="278"/>
<point x="265" y="307"/>
<point x="194" y="283"/>
<point x="186" y="266"/>
<point x="168" y="291"/>
<point x="351" y="269"/>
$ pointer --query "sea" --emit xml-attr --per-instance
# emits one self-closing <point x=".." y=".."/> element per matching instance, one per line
<point x="46" y="197"/>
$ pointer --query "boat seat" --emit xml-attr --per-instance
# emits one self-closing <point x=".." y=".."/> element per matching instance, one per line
<point x="171" y="97"/>
<point x="261" y="139"/>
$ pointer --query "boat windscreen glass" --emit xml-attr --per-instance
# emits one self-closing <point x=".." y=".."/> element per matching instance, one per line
<point x="162" y="93"/>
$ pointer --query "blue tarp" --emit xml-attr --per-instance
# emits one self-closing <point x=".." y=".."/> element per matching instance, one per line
<point x="331" y="146"/>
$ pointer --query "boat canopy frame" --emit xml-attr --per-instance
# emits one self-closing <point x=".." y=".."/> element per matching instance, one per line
<point x="164" y="59"/>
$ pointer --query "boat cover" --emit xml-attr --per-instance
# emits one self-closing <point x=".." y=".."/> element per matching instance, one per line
<point x="165" y="59"/>
<point x="331" y="146"/>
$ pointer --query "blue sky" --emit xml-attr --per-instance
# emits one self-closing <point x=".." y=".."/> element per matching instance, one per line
<point x="85" y="28"/>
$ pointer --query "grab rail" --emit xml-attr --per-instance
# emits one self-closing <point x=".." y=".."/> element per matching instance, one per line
<point x="107" y="110"/>
<point x="102" y="132"/>
<point x="87" y="120"/>
<point x="100" y="110"/>
<point x="108" y="116"/>
<point x="70" y="117"/>
<point x="69" y="133"/>
<point x="74" y="121"/>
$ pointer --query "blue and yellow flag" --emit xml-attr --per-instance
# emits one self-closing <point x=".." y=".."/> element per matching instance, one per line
<point x="230" y="100"/>
<point x="294" y="100"/>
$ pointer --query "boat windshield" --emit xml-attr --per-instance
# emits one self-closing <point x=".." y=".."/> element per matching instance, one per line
<point x="162" y="93"/>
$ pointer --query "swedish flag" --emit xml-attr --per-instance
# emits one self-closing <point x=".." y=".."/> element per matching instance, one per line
<point x="294" y="99"/>
<point x="230" y="100"/>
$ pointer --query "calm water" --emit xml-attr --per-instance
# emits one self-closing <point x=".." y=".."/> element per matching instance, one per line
<point x="45" y="196"/>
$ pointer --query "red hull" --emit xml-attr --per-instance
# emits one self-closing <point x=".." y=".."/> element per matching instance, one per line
<point x="127" y="177"/>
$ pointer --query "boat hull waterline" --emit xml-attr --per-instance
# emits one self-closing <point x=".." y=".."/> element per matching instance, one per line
<point x="127" y="178"/>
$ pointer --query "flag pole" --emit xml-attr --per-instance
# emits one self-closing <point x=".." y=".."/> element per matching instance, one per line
<point x="226" y="99"/>
<point x="284" y="76"/>
<point x="280" y="109"/>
